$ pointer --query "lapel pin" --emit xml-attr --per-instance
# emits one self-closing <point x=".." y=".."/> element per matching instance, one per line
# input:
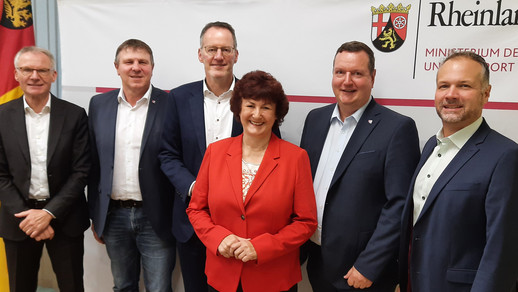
<point x="153" y="101"/>
<point x="370" y="121"/>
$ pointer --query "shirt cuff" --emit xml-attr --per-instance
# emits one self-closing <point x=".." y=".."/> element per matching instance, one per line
<point x="190" y="189"/>
<point x="50" y="213"/>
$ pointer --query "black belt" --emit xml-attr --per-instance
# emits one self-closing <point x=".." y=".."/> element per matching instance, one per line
<point x="37" y="203"/>
<point x="125" y="203"/>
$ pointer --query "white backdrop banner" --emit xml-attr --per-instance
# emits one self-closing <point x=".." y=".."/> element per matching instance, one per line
<point x="295" y="40"/>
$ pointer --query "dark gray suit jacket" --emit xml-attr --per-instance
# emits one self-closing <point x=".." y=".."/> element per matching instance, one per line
<point x="67" y="167"/>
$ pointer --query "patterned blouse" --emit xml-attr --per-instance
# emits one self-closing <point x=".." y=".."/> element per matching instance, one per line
<point x="249" y="171"/>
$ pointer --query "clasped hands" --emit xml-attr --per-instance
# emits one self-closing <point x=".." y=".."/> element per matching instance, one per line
<point x="237" y="247"/>
<point x="36" y="224"/>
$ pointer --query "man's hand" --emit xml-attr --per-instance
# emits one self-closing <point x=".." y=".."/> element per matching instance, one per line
<point x="357" y="280"/>
<point x="35" y="222"/>
<point x="225" y="247"/>
<point x="97" y="238"/>
<point x="48" y="233"/>
<point x="244" y="250"/>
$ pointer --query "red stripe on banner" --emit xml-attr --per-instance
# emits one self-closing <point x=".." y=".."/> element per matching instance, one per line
<point x="103" y="89"/>
<point x="383" y="101"/>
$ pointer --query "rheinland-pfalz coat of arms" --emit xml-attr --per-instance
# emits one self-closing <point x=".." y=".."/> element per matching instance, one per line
<point x="389" y="26"/>
<point x="16" y="14"/>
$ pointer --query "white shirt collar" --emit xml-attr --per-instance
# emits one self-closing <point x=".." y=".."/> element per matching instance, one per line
<point x="121" y="97"/>
<point x="46" y="108"/>
<point x="356" y="115"/>
<point x="208" y="93"/>
<point x="462" y="136"/>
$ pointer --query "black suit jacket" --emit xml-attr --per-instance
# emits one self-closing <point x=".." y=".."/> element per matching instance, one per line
<point x="67" y="167"/>
<point x="157" y="192"/>
<point x="362" y="213"/>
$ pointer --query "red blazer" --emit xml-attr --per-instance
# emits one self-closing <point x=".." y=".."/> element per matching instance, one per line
<point x="278" y="215"/>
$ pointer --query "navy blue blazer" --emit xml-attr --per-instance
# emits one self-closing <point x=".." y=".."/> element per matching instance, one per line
<point x="466" y="238"/>
<point x="183" y="147"/>
<point x="362" y="214"/>
<point x="67" y="168"/>
<point x="157" y="192"/>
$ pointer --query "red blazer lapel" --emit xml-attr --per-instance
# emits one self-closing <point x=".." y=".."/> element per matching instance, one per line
<point x="267" y="166"/>
<point x="234" y="157"/>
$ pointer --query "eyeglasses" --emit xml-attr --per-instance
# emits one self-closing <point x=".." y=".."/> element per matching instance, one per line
<point x="212" y="50"/>
<point x="25" y="71"/>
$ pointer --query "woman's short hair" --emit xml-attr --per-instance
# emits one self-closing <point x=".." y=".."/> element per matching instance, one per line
<point x="259" y="85"/>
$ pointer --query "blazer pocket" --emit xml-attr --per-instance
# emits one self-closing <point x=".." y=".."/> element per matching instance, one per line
<point x="462" y="186"/>
<point x="464" y="276"/>
<point x="365" y="154"/>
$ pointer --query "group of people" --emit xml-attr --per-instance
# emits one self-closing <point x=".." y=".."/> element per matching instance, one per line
<point x="203" y="171"/>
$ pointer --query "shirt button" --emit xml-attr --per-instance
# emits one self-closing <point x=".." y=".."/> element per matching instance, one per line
<point x="428" y="176"/>
<point x="242" y="217"/>
<point x="423" y="197"/>
<point x="439" y="155"/>
<point x="217" y="120"/>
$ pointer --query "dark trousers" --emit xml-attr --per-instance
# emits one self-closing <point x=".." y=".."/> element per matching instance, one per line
<point x="316" y="276"/>
<point x="66" y="256"/>
<point x="192" y="262"/>
<point x="319" y="281"/>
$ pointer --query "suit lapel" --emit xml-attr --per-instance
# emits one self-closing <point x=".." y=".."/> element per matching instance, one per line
<point x="107" y="123"/>
<point x="319" y="137"/>
<point x="20" y="129"/>
<point x="237" y="128"/>
<point x="464" y="155"/>
<point x="409" y="206"/>
<point x="154" y="104"/>
<point x="268" y="164"/>
<point x="198" y="117"/>
<point x="366" y="124"/>
<point x="234" y="156"/>
<point x="57" y="120"/>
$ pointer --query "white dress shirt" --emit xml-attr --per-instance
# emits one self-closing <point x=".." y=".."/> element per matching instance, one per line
<point x="128" y="139"/>
<point x="37" y="125"/>
<point x="217" y="114"/>
<point x="446" y="149"/>
<point x="218" y="117"/>
<point x="337" y="138"/>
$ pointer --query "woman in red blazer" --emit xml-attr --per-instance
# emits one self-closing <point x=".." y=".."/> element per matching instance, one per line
<point x="253" y="203"/>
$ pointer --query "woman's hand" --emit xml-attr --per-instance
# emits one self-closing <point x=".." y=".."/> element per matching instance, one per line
<point x="225" y="247"/>
<point x="244" y="250"/>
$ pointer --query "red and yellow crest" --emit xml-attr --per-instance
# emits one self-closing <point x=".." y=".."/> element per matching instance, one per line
<point x="389" y="26"/>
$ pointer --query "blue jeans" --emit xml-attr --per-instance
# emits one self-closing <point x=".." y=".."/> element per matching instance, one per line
<point x="130" y="241"/>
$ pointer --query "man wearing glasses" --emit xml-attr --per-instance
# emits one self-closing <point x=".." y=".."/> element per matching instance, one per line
<point x="44" y="164"/>
<point x="198" y="114"/>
